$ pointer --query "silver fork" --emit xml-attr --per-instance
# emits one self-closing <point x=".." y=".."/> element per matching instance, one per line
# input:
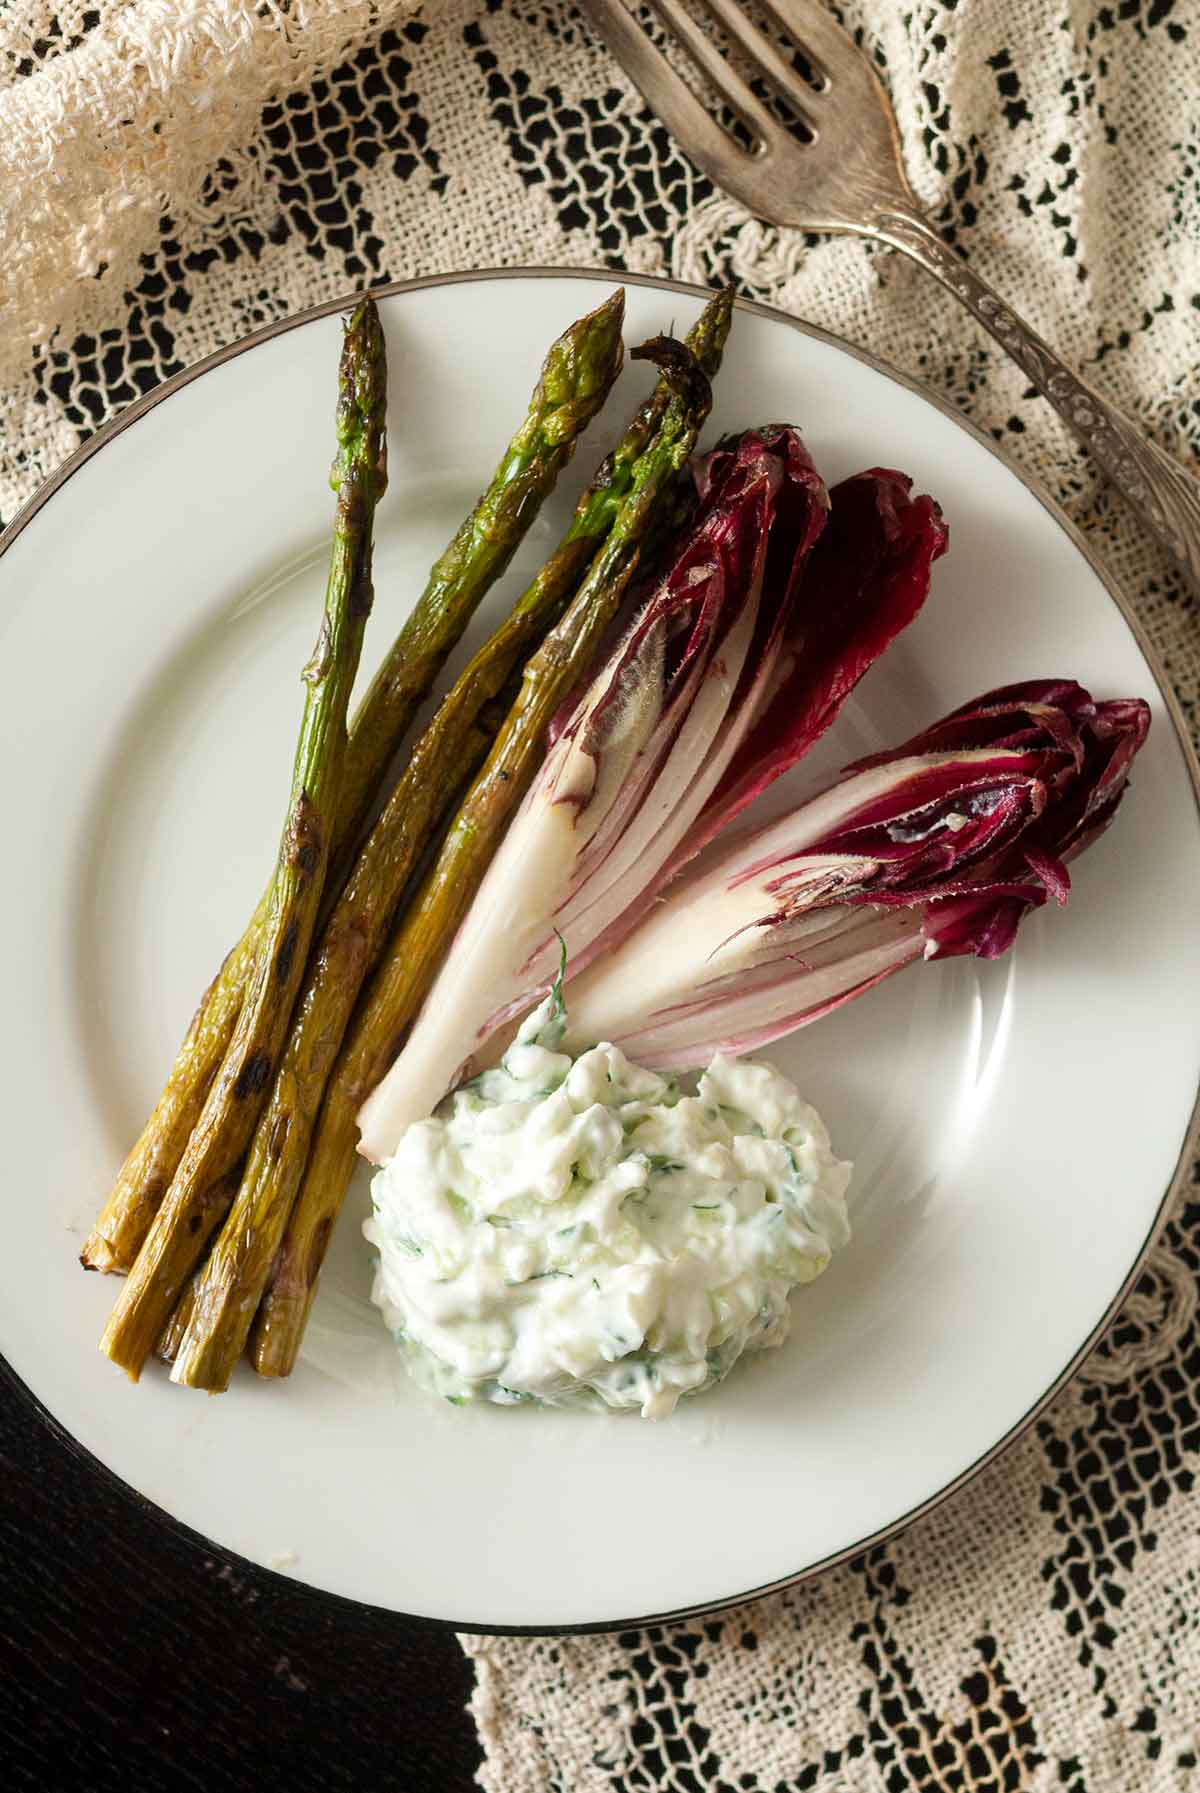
<point x="850" y="179"/>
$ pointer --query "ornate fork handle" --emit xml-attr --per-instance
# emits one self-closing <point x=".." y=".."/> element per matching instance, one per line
<point x="1152" y="480"/>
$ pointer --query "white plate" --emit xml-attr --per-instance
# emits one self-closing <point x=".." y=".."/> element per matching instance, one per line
<point x="1014" y="1127"/>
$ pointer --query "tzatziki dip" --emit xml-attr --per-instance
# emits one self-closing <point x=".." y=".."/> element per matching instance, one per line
<point x="579" y="1231"/>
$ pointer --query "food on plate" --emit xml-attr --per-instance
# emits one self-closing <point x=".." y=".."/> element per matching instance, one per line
<point x="577" y="1231"/>
<point x="576" y="377"/>
<point x="570" y="1224"/>
<point x="208" y="1331"/>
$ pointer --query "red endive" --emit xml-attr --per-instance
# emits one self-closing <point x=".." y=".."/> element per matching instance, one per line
<point x="941" y="846"/>
<point x="739" y="659"/>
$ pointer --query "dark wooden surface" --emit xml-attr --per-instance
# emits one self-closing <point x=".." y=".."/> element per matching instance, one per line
<point x="133" y="1657"/>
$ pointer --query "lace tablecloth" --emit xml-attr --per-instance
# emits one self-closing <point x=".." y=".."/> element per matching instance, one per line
<point x="175" y="172"/>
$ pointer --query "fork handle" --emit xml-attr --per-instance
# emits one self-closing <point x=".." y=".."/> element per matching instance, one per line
<point x="1153" y="481"/>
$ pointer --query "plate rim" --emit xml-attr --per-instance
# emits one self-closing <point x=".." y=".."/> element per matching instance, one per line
<point x="1189" y="1146"/>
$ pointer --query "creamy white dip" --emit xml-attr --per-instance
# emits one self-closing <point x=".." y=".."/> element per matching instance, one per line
<point x="580" y="1231"/>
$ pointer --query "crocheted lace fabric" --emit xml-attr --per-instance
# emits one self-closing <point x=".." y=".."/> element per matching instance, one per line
<point x="174" y="173"/>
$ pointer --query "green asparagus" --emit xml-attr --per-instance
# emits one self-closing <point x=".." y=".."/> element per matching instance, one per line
<point x="577" y="375"/>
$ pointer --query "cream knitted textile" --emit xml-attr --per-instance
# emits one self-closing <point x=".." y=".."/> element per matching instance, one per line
<point x="175" y="172"/>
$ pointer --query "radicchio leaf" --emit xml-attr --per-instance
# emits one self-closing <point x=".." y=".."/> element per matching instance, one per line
<point x="939" y="847"/>
<point x="865" y="581"/>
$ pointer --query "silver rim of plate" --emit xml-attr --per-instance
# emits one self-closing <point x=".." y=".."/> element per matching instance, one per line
<point x="1191" y="1141"/>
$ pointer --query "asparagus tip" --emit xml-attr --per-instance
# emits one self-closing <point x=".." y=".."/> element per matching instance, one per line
<point x="362" y="401"/>
<point x="679" y="368"/>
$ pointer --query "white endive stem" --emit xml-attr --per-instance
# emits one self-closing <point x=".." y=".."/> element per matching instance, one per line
<point x="718" y="974"/>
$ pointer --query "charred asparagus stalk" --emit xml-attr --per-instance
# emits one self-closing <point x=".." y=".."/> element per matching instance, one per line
<point x="226" y="1292"/>
<point x="200" y="1190"/>
<point x="412" y="956"/>
<point x="575" y="380"/>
